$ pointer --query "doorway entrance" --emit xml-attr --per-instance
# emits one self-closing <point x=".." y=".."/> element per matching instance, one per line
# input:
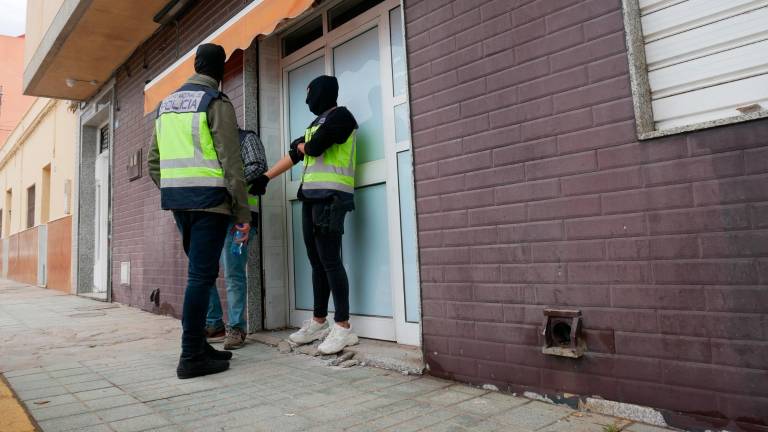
<point x="93" y="198"/>
<point x="364" y="49"/>
<point x="101" y="219"/>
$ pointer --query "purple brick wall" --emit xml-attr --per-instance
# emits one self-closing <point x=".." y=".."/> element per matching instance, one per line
<point x="142" y="233"/>
<point x="533" y="191"/>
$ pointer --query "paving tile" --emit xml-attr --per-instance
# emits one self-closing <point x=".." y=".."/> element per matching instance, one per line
<point x="124" y="412"/>
<point x="489" y="405"/>
<point x="63" y="410"/>
<point x="639" y="427"/>
<point x="468" y="389"/>
<point x="76" y="422"/>
<point x="55" y="390"/>
<point x="418" y="423"/>
<point x="61" y="373"/>
<point x="40" y="374"/>
<point x="34" y="385"/>
<point x="74" y="379"/>
<point x="36" y="404"/>
<point x="137" y="424"/>
<point x="446" y="397"/>
<point x="110" y="402"/>
<point x="22" y="372"/>
<point x="89" y="385"/>
<point x="172" y="428"/>
<point x="96" y="428"/>
<point x="533" y="415"/>
<point x="285" y="424"/>
<point x="60" y="366"/>
<point x="99" y="393"/>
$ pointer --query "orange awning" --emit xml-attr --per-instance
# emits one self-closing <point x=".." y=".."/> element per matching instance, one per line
<point x="259" y="18"/>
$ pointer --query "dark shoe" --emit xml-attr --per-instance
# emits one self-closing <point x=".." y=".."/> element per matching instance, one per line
<point x="213" y="332"/>
<point x="200" y="367"/>
<point x="235" y="339"/>
<point x="215" y="354"/>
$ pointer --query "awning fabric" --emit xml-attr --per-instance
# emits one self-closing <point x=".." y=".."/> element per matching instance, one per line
<point x="261" y="17"/>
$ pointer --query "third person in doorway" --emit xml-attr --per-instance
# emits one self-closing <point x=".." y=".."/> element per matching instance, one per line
<point x="328" y="149"/>
<point x="235" y="264"/>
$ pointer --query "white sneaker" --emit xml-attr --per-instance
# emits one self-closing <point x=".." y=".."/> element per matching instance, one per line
<point x="339" y="338"/>
<point x="310" y="332"/>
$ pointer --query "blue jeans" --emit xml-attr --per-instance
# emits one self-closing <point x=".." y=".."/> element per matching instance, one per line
<point x="203" y="236"/>
<point x="237" y="286"/>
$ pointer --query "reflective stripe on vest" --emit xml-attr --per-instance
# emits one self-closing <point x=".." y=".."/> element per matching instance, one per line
<point x="191" y="176"/>
<point x="187" y="155"/>
<point x="334" y="169"/>
<point x="253" y="203"/>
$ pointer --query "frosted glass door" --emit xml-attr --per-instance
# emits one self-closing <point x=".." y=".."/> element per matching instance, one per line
<point x="356" y="64"/>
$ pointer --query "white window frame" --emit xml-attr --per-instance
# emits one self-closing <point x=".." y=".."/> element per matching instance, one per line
<point x="641" y="89"/>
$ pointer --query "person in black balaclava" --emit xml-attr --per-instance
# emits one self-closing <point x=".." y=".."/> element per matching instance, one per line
<point x="325" y="204"/>
<point x="322" y="93"/>
<point x="209" y="60"/>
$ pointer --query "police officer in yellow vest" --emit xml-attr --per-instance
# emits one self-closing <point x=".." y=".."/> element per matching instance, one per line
<point x="328" y="149"/>
<point x="195" y="160"/>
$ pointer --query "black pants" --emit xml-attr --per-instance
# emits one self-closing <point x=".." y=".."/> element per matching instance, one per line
<point x="328" y="273"/>
<point x="203" y="235"/>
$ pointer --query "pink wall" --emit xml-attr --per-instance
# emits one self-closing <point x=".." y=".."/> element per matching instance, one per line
<point x="14" y="103"/>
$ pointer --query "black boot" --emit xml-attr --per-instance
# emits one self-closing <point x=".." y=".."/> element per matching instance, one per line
<point x="200" y="366"/>
<point x="215" y="354"/>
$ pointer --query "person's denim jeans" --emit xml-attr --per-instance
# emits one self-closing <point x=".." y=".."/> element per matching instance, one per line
<point x="203" y="236"/>
<point x="237" y="286"/>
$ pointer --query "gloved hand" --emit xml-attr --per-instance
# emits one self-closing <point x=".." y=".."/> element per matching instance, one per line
<point x="259" y="186"/>
<point x="296" y="142"/>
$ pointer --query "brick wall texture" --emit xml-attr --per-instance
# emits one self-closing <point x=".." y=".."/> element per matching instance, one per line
<point x="142" y="233"/>
<point x="533" y="191"/>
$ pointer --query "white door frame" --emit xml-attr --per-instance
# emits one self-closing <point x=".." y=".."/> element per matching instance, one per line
<point x="396" y="328"/>
<point x="101" y="266"/>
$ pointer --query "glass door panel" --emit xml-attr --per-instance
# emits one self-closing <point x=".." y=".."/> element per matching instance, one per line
<point x="366" y="253"/>
<point x="397" y="42"/>
<point x="357" y="67"/>
<point x="302" y="271"/>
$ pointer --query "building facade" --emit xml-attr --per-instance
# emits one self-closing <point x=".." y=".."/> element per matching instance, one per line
<point x="36" y="173"/>
<point x="13" y="103"/>
<point x="579" y="158"/>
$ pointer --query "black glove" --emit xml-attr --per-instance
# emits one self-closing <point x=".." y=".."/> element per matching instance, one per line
<point x="296" y="142"/>
<point x="259" y="186"/>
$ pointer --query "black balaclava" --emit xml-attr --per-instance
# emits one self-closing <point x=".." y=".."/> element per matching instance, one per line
<point x="209" y="61"/>
<point x="322" y="93"/>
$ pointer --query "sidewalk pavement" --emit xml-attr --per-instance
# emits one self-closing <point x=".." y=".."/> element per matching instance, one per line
<point x="82" y="365"/>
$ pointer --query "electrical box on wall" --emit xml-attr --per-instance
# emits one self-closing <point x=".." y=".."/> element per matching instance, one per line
<point x="134" y="166"/>
<point x="125" y="273"/>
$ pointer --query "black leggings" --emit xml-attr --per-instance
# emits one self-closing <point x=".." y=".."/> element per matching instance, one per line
<point x="328" y="273"/>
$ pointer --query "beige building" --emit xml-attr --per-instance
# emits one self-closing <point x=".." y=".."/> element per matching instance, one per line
<point x="36" y="167"/>
<point x="36" y="177"/>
